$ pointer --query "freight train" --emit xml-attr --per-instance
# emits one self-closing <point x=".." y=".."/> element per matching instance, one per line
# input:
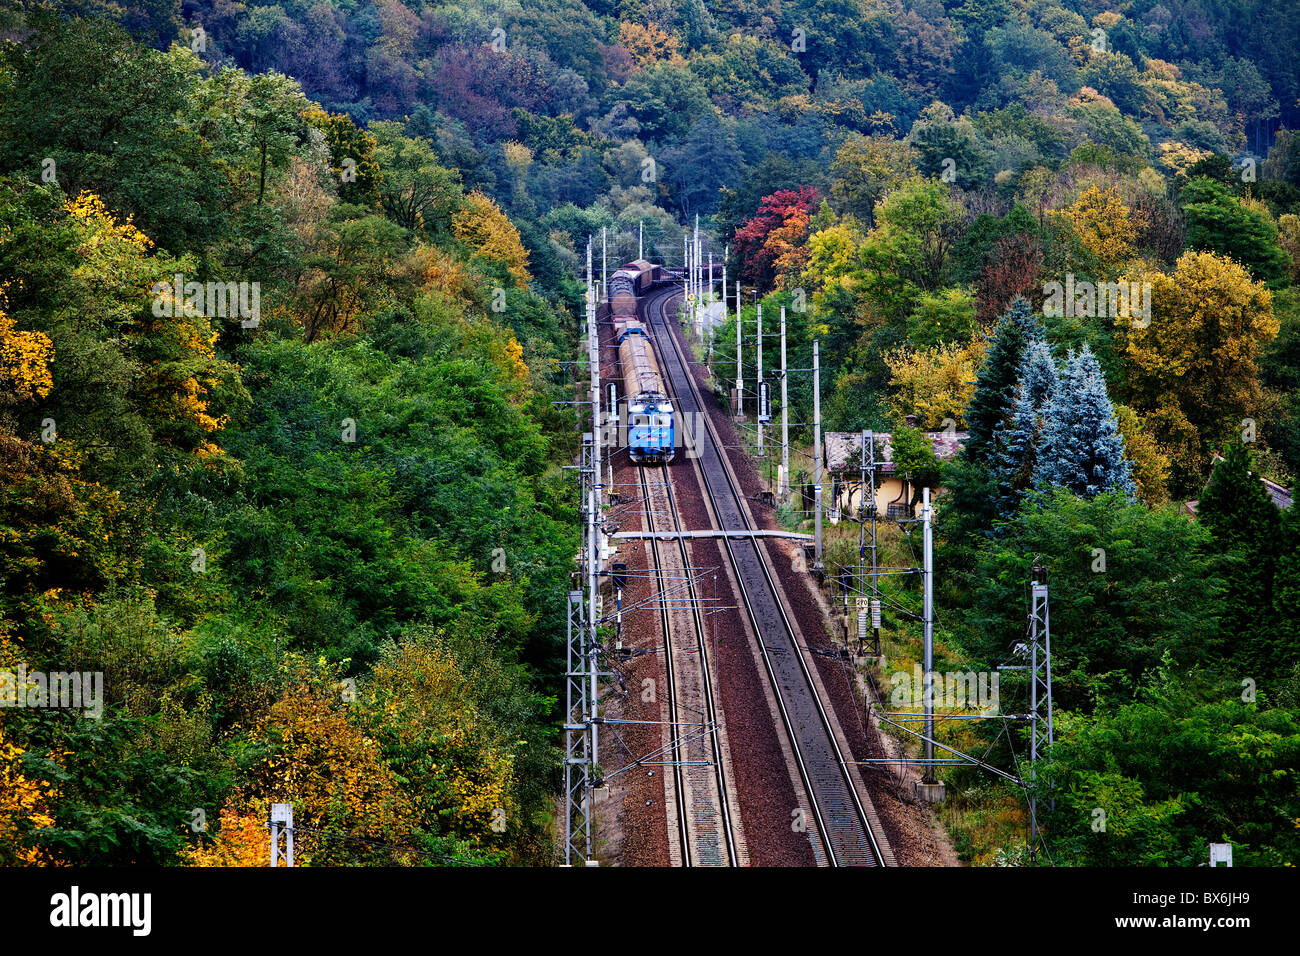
<point x="650" y="431"/>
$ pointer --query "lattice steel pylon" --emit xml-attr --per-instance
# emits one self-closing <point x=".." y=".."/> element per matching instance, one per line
<point x="577" y="738"/>
<point x="1040" y="691"/>
<point x="581" y="663"/>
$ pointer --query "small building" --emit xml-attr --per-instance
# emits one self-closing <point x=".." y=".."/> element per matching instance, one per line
<point x="843" y="455"/>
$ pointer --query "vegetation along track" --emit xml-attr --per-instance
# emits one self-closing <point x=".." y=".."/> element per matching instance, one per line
<point x="837" y="813"/>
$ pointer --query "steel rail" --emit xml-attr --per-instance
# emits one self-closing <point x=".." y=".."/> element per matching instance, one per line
<point x="843" y="824"/>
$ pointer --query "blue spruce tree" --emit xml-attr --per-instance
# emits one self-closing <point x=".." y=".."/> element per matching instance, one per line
<point x="1012" y="464"/>
<point x="1038" y="373"/>
<point x="1015" y="440"/>
<point x="1081" y="448"/>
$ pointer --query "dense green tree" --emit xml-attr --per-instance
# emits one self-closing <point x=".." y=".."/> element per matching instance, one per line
<point x="1246" y="525"/>
<point x="1129" y="585"/>
<point x="1286" y="575"/>
<point x="864" y="169"/>
<point x="352" y="156"/>
<point x="665" y="100"/>
<point x="258" y="119"/>
<point x="915" y="460"/>
<point x="696" y="171"/>
<point x="1219" y="222"/>
<point x="1186" y="765"/>
<point x="950" y="147"/>
<point x="82" y="104"/>
<point x="917" y="226"/>
<point x="416" y="192"/>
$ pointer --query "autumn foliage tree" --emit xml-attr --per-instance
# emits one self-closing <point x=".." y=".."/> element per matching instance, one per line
<point x="1104" y="227"/>
<point x="649" y="43"/>
<point x="766" y="243"/>
<point x="935" y="384"/>
<point x="1193" y="371"/>
<point x="308" y="752"/>
<point x="352" y="155"/>
<point x="1012" y="271"/>
<point x="24" y="807"/>
<point x="483" y="227"/>
<point x="241" y="839"/>
<point x="421" y="705"/>
<point x="864" y="169"/>
<point x="24" y="362"/>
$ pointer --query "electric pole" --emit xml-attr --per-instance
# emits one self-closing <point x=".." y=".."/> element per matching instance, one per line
<point x="740" y="373"/>
<point x="817" y="458"/>
<point x="593" y="360"/>
<point x="758" y="380"/>
<point x="784" y="479"/>
<point x="1040" y="692"/>
<point x="724" y="292"/>
<point x="281" y="821"/>
<point x="927" y="616"/>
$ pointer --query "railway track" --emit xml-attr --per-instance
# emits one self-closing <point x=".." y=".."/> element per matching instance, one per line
<point x="845" y="825"/>
<point x="706" y="831"/>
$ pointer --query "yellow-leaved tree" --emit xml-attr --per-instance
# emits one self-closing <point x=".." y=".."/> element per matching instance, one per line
<point x="24" y="806"/>
<point x="832" y="258"/>
<point x="1103" y="224"/>
<point x="935" y="383"/>
<point x="242" y="839"/>
<point x="1150" y="461"/>
<point x="483" y="227"/>
<point x="24" y="362"/>
<point x="1193" y="370"/>
<point x="1288" y="227"/>
<point x="420" y="702"/>
<point x="348" y="802"/>
<point x="649" y="43"/>
<point x="180" y="370"/>
<point x="24" y="801"/>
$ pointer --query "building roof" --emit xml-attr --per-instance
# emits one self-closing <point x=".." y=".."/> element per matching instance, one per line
<point x="1281" y="496"/>
<point x="843" y="450"/>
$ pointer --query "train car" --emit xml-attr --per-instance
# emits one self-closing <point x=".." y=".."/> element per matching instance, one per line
<point x="634" y="278"/>
<point x="651" y="435"/>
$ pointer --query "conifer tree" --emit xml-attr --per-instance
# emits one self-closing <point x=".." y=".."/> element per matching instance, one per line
<point x="1038" y="373"/>
<point x="1235" y="505"/>
<point x="996" y="382"/>
<point x="1286" y="575"/>
<point x="1246" y="528"/>
<point x="1015" y="444"/>
<point x="1081" y="448"/>
<point x="1012" y="464"/>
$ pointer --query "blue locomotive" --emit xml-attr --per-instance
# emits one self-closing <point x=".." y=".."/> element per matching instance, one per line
<point x="651" y="436"/>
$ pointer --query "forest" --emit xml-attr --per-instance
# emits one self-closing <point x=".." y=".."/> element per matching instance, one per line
<point x="319" y="548"/>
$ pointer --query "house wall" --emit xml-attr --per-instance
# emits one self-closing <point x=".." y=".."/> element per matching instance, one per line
<point x="891" y="491"/>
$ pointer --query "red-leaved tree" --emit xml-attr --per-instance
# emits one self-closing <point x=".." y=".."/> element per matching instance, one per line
<point x="767" y="237"/>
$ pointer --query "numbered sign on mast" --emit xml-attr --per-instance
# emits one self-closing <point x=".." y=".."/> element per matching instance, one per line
<point x="764" y="403"/>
